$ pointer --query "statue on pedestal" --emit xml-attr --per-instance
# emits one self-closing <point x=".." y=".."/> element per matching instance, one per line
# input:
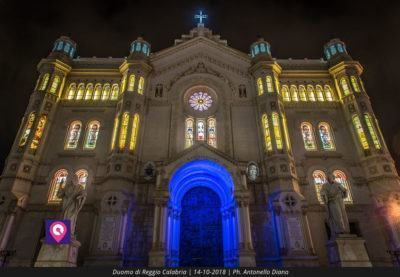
<point x="333" y="194"/>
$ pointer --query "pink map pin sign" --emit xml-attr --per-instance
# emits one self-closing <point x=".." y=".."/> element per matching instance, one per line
<point x="58" y="230"/>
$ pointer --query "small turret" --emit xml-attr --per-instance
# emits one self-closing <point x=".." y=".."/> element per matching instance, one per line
<point x="139" y="49"/>
<point x="335" y="51"/>
<point x="64" y="49"/>
<point x="260" y="50"/>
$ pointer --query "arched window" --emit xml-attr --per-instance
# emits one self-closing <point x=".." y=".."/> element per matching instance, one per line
<point x="106" y="92"/>
<point x="201" y="129"/>
<point x="54" y="84"/>
<point x="189" y="132"/>
<point x="308" y="136"/>
<point x="285" y="93"/>
<point x="294" y="93"/>
<point x="320" y="93"/>
<point x="355" y="84"/>
<point x="135" y="130"/>
<point x="79" y="94"/>
<point x="319" y="178"/>
<point x="345" y="86"/>
<point x="131" y="84"/>
<point x="372" y="131"/>
<point x="123" y="83"/>
<point x="89" y="91"/>
<point x="212" y="132"/>
<point x="267" y="133"/>
<point x="302" y="92"/>
<point x="270" y="87"/>
<point x="73" y="134"/>
<point x="328" y="93"/>
<point x="141" y="85"/>
<point x="124" y="130"/>
<point x="360" y="132"/>
<point x="92" y="134"/>
<point x="286" y="132"/>
<point x="114" y="134"/>
<point x="58" y="182"/>
<point x="82" y="175"/>
<point x="277" y="130"/>
<point x="71" y="91"/>
<point x="44" y="82"/>
<point x="310" y="92"/>
<point x="97" y="92"/>
<point x="325" y="134"/>
<point x="260" y="87"/>
<point x="114" y="92"/>
<point x="341" y="178"/>
<point x="27" y="129"/>
<point x="39" y="132"/>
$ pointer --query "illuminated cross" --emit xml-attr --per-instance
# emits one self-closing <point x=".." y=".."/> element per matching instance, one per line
<point x="200" y="16"/>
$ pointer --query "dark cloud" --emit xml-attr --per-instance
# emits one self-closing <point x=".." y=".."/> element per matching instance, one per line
<point x="295" y="29"/>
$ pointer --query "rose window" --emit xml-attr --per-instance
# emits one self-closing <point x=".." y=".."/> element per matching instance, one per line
<point x="200" y="101"/>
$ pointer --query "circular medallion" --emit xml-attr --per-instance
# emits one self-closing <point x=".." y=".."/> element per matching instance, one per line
<point x="200" y="101"/>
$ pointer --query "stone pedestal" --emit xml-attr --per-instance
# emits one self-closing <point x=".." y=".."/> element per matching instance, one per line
<point x="348" y="251"/>
<point x="58" y="255"/>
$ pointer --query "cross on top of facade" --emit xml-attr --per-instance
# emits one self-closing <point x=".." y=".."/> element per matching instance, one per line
<point x="200" y="16"/>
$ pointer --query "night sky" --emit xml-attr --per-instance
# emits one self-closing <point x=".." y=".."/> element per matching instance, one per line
<point x="298" y="29"/>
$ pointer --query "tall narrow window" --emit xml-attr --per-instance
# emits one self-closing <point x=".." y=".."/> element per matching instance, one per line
<point x="201" y="129"/>
<point x="58" y="182"/>
<point x="355" y="84"/>
<point x="285" y="93"/>
<point x="115" y="130"/>
<point x="308" y="136"/>
<point x="320" y="93"/>
<point x="286" y="131"/>
<point x="45" y="80"/>
<point x="82" y="175"/>
<point x="54" y="84"/>
<point x="140" y="85"/>
<point x="135" y="130"/>
<point x="79" y="94"/>
<point x="131" y="84"/>
<point x="294" y="93"/>
<point x="372" y="131"/>
<point x="319" y="179"/>
<point x="341" y="178"/>
<point x="92" y="134"/>
<point x="270" y="86"/>
<point x="277" y="130"/>
<point x="74" y="132"/>
<point x="97" y="92"/>
<point x="328" y="93"/>
<point x="123" y="83"/>
<point x="114" y="92"/>
<point x="39" y="132"/>
<point x="189" y="132"/>
<point x="267" y="133"/>
<point x="106" y="92"/>
<point x="212" y="132"/>
<point x="325" y="134"/>
<point x="71" y="91"/>
<point x="311" y="93"/>
<point x="124" y="130"/>
<point x="89" y="91"/>
<point x="277" y="84"/>
<point x="302" y="92"/>
<point x="27" y="129"/>
<point x="360" y="132"/>
<point x="260" y="87"/>
<point x="345" y="86"/>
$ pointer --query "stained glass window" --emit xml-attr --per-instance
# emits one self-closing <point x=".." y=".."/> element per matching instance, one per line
<point x="73" y="135"/>
<point x="200" y="101"/>
<point x="302" y="92"/>
<point x="372" y="131"/>
<point x="212" y="132"/>
<point x="114" y="92"/>
<point x="310" y="92"/>
<point x="201" y="129"/>
<point x="319" y="179"/>
<point x="140" y="85"/>
<point x="79" y="94"/>
<point x="267" y="133"/>
<point x="92" y="134"/>
<point x="71" y="91"/>
<point x="355" y="84"/>
<point x="44" y="82"/>
<point x="82" y="175"/>
<point x="270" y="86"/>
<point x="294" y="93"/>
<point x="97" y="92"/>
<point x="189" y="132"/>
<point x="114" y="134"/>
<point x="260" y="87"/>
<point x="59" y="180"/>
<point x="360" y="132"/>
<point x="325" y="134"/>
<point x="89" y="91"/>
<point x="124" y="130"/>
<point x="320" y="93"/>
<point x="54" y="84"/>
<point x="328" y="93"/>
<point x="277" y="130"/>
<point x="285" y="93"/>
<point x="308" y="136"/>
<point x="27" y="129"/>
<point x="135" y="130"/>
<point x="345" y="86"/>
<point x="131" y="84"/>
<point x="39" y="132"/>
<point x="341" y="178"/>
<point x="106" y="92"/>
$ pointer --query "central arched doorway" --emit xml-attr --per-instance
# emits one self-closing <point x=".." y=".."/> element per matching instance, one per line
<point x="202" y="228"/>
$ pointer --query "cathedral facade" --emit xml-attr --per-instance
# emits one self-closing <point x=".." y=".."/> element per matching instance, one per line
<point x="200" y="154"/>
